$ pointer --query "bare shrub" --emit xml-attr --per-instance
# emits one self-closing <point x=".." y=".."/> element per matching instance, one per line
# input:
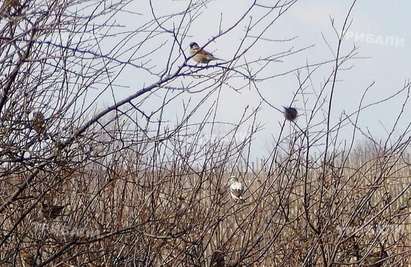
<point x="125" y="185"/>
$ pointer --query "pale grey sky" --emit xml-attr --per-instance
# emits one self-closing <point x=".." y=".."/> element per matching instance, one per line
<point x="378" y="30"/>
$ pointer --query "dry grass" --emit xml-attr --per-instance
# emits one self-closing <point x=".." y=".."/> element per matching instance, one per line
<point x="179" y="216"/>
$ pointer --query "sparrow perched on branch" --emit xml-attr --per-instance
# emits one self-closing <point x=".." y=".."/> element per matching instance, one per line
<point x="290" y="113"/>
<point x="38" y="122"/>
<point x="236" y="189"/>
<point x="201" y="55"/>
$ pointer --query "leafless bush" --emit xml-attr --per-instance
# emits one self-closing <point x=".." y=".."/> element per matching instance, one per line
<point x="83" y="185"/>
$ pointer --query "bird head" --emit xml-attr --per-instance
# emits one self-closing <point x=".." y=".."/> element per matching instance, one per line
<point x="194" y="45"/>
<point x="232" y="179"/>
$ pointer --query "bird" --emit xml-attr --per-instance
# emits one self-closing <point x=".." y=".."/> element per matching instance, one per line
<point x="51" y="212"/>
<point x="290" y="113"/>
<point x="200" y="55"/>
<point x="27" y="259"/>
<point x="9" y="4"/>
<point x="38" y="123"/>
<point x="217" y="259"/>
<point x="236" y="188"/>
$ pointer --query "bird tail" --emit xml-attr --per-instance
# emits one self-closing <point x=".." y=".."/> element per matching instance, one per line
<point x="216" y="58"/>
<point x="240" y="199"/>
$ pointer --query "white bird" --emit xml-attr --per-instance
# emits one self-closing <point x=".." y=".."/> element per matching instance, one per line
<point x="236" y="188"/>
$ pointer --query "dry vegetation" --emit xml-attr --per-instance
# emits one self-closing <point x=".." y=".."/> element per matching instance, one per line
<point x="121" y="187"/>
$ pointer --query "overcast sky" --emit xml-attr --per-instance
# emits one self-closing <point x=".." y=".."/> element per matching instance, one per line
<point x="379" y="31"/>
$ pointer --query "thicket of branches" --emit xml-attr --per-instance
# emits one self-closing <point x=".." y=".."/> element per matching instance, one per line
<point x="83" y="185"/>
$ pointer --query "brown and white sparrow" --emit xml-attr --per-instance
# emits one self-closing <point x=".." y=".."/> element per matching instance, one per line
<point x="200" y="55"/>
<point x="39" y="123"/>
